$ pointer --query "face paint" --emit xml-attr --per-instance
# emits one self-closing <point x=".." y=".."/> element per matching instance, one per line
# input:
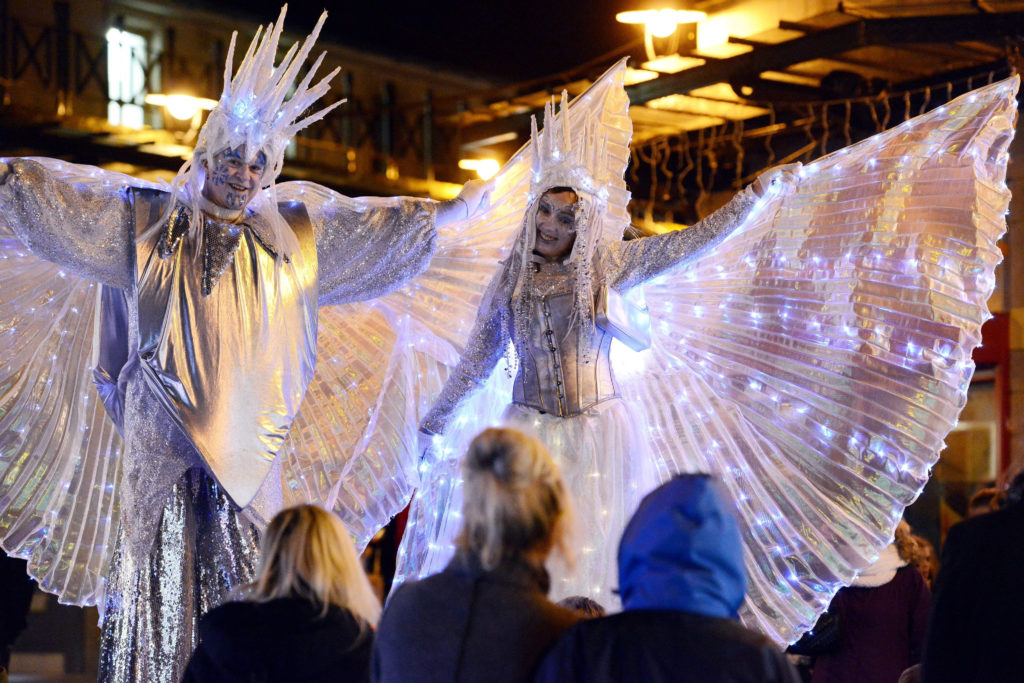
<point x="232" y="182"/>
<point x="556" y="225"/>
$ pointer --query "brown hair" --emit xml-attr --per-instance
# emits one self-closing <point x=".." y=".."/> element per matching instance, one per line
<point x="513" y="499"/>
<point x="307" y="553"/>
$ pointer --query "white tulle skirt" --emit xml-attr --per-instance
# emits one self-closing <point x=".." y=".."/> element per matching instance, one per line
<point x="605" y="463"/>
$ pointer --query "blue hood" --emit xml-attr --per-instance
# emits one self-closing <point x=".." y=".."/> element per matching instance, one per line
<point x="682" y="551"/>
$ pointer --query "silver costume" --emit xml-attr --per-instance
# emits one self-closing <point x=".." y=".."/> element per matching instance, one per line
<point x="556" y="375"/>
<point x="813" y="359"/>
<point x="565" y="392"/>
<point x="218" y="344"/>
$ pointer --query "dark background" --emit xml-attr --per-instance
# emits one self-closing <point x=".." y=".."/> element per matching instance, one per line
<point x="508" y="41"/>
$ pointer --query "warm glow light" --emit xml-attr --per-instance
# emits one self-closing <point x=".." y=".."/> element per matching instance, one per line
<point x="634" y="76"/>
<point x="661" y="22"/>
<point x="672" y="64"/>
<point x="182" y="107"/>
<point x="485" y="168"/>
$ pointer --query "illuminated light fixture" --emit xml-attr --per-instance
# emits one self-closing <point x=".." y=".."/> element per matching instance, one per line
<point x="702" y="106"/>
<point x="671" y="64"/>
<point x="790" y="77"/>
<point x="634" y="76"/>
<point x="485" y="168"/>
<point x="661" y="23"/>
<point x="181" y="107"/>
<point x="492" y="140"/>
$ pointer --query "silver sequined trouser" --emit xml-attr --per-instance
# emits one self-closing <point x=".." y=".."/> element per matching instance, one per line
<point x="203" y="549"/>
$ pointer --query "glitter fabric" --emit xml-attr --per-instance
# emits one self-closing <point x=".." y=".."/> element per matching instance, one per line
<point x="205" y="353"/>
<point x="814" y="359"/>
<point x="203" y="550"/>
<point x="68" y="482"/>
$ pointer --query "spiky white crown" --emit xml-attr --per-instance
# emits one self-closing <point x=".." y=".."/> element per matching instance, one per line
<point x="252" y="110"/>
<point x="567" y="155"/>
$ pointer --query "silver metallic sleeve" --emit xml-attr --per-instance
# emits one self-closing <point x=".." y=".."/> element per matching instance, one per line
<point x="367" y="247"/>
<point x="487" y="342"/>
<point x="628" y="264"/>
<point x="86" y="228"/>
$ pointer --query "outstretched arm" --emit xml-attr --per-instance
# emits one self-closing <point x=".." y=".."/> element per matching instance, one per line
<point x="370" y="246"/>
<point x="487" y="342"/>
<point x="86" y="228"/>
<point x="628" y="264"/>
<point x="631" y="263"/>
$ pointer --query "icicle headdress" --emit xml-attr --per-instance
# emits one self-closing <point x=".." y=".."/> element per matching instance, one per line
<point x="562" y="159"/>
<point x="252" y="112"/>
<point x="584" y="146"/>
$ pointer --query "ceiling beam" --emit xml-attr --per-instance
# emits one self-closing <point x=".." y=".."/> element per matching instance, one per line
<point x="833" y="41"/>
<point x="816" y="43"/>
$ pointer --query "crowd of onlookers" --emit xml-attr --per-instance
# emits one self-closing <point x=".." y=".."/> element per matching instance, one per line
<point x="311" y="614"/>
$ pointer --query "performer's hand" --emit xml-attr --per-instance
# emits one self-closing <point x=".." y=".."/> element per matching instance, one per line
<point x="476" y="196"/>
<point x="775" y="176"/>
<point x="4" y="170"/>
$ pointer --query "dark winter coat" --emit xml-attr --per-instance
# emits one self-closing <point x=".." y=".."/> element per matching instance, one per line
<point x="976" y="631"/>
<point x="881" y="631"/>
<point x="467" y="624"/>
<point x="682" y="581"/>
<point x="280" y="640"/>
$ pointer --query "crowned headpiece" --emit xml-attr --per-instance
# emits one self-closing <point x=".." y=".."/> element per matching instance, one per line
<point x="560" y="159"/>
<point x="585" y="146"/>
<point x="252" y="111"/>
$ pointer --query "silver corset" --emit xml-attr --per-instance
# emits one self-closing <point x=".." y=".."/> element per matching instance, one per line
<point x="557" y="374"/>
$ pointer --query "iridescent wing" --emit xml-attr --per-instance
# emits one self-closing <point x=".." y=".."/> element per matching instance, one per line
<point x="60" y="454"/>
<point x="817" y="358"/>
<point x="352" y="447"/>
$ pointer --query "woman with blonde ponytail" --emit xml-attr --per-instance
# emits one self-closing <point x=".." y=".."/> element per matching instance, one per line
<point x="308" y="615"/>
<point x="486" y="616"/>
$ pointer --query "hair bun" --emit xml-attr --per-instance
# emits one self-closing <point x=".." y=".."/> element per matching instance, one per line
<point x="492" y="457"/>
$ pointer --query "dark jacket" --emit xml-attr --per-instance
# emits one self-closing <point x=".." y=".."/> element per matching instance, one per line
<point x="682" y="581"/>
<point x="881" y="631"/>
<point x="280" y="640"/>
<point x="467" y="624"/>
<point x="976" y="632"/>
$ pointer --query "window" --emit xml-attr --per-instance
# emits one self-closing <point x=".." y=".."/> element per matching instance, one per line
<point x="126" y="77"/>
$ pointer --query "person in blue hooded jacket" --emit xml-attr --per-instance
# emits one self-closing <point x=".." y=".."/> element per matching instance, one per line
<point x="682" y="581"/>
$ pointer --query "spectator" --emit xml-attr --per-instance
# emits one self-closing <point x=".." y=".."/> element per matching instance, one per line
<point x="976" y="631"/>
<point x="984" y="501"/>
<point x="584" y="606"/>
<point x="682" y="581"/>
<point x="486" y="617"/>
<point x="16" y="588"/>
<point x="882" y="619"/>
<point x="306" y="617"/>
<point x="924" y="558"/>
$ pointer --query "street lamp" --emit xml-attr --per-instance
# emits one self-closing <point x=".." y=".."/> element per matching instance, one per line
<point x="485" y="168"/>
<point x="181" y="107"/>
<point x="662" y="21"/>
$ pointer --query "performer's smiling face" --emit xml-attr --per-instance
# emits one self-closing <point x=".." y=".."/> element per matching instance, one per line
<point x="232" y="181"/>
<point x="556" y="224"/>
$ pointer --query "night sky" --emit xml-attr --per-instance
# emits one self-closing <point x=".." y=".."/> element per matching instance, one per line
<point x="507" y="41"/>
